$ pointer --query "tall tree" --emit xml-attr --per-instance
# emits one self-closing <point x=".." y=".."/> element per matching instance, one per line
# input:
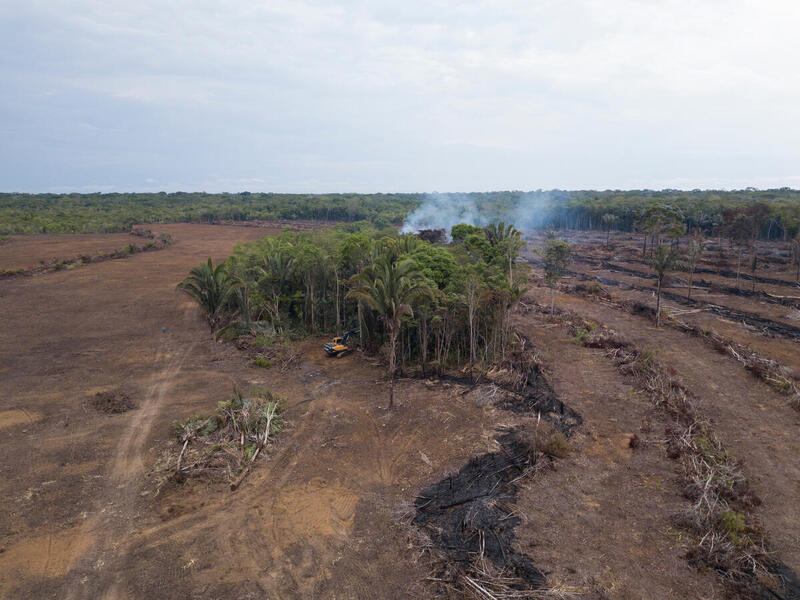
<point x="212" y="287"/>
<point x="663" y="260"/>
<point x="391" y="287"/>
<point x="693" y="253"/>
<point x="555" y="256"/>
<point x="609" y="220"/>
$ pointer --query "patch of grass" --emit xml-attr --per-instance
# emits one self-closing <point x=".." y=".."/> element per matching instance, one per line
<point x="260" y="361"/>
<point x="557" y="446"/>
<point x="735" y="525"/>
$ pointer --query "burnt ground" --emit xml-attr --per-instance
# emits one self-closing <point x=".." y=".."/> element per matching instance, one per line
<point x="86" y="515"/>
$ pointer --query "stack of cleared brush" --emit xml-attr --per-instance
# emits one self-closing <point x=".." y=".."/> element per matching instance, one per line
<point x="730" y="538"/>
<point x="225" y="445"/>
<point x="776" y="375"/>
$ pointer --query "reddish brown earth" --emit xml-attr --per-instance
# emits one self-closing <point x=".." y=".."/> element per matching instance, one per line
<point x="24" y="252"/>
<point x="755" y="422"/>
<point x="81" y="519"/>
<point x="87" y="515"/>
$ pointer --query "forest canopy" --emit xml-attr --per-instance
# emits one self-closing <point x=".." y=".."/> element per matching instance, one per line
<point x="581" y="209"/>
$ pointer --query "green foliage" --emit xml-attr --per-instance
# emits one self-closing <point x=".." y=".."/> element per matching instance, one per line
<point x="581" y="209"/>
<point x="437" y="264"/>
<point x="212" y="288"/>
<point x="735" y="525"/>
<point x="555" y="256"/>
<point x="462" y="230"/>
<point x="261" y="361"/>
<point x="664" y="259"/>
<point x="106" y="213"/>
<point x="396" y="288"/>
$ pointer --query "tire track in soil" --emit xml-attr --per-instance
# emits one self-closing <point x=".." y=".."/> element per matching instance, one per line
<point x="117" y="510"/>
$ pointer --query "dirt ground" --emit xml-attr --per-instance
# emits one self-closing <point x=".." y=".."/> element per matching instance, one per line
<point x="319" y="519"/>
<point x="755" y="422"/>
<point x="97" y="363"/>
<point x="29" y="251"/>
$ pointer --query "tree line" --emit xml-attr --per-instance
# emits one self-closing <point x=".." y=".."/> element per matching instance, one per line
<point x="702" y="210"/>
<point x="110" y="213"/>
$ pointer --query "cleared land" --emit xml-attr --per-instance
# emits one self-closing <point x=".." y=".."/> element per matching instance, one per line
<point x="87" y="514"/>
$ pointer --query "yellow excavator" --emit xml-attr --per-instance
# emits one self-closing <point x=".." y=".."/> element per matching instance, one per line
<point x="338" y="347"/>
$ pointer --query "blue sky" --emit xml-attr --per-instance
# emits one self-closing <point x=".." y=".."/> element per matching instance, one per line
<point x="316" y="96"/>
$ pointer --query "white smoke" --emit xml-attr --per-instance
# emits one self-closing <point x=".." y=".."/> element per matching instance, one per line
<point x="524" y="210"/>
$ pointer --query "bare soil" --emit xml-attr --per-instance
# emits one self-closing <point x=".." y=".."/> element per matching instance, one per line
<point x="319" y="518"/>
<point x="86" y="513"/>
<point x="756" y="423"/>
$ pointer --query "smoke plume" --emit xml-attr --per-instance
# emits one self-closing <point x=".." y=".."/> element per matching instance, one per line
<point x="524" y="210"/>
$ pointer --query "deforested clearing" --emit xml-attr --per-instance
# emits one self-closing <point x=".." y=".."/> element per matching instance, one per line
<point x="310" y="409"/>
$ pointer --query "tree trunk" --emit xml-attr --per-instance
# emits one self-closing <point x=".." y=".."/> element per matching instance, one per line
<point x="658" y="303"/>
<point x="552" y="301"/>
<point x="338" y="319"/>
<point x="738" y="267"/>
<point x="392" y="359"/>
<point x="691" y="276"/>
<point x="313" y="320"/>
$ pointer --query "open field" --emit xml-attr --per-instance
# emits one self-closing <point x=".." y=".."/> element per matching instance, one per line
<point x="326" y="515"/>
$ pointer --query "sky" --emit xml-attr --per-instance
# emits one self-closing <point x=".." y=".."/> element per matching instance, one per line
<point x="318" y="96"/>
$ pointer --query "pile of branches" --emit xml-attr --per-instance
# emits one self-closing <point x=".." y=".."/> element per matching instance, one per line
<point x="731" y="540"/>
<point x="225" y="445"/>
<point x="518" y="366"/>
<point x="265" y="347"/>
<point x="776" y="375"/>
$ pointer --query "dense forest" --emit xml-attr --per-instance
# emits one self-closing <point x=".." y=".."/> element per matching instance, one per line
<point x="109" y="213"/>
<point x="583" y="209"/>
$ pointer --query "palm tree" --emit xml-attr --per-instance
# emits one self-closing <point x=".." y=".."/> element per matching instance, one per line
<point x="212" y="287"/>
<point x="664" y="259"/>
<point x="390" y="287"/>
<point x="277" y="270"/>
<point x="510" y="238"/>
